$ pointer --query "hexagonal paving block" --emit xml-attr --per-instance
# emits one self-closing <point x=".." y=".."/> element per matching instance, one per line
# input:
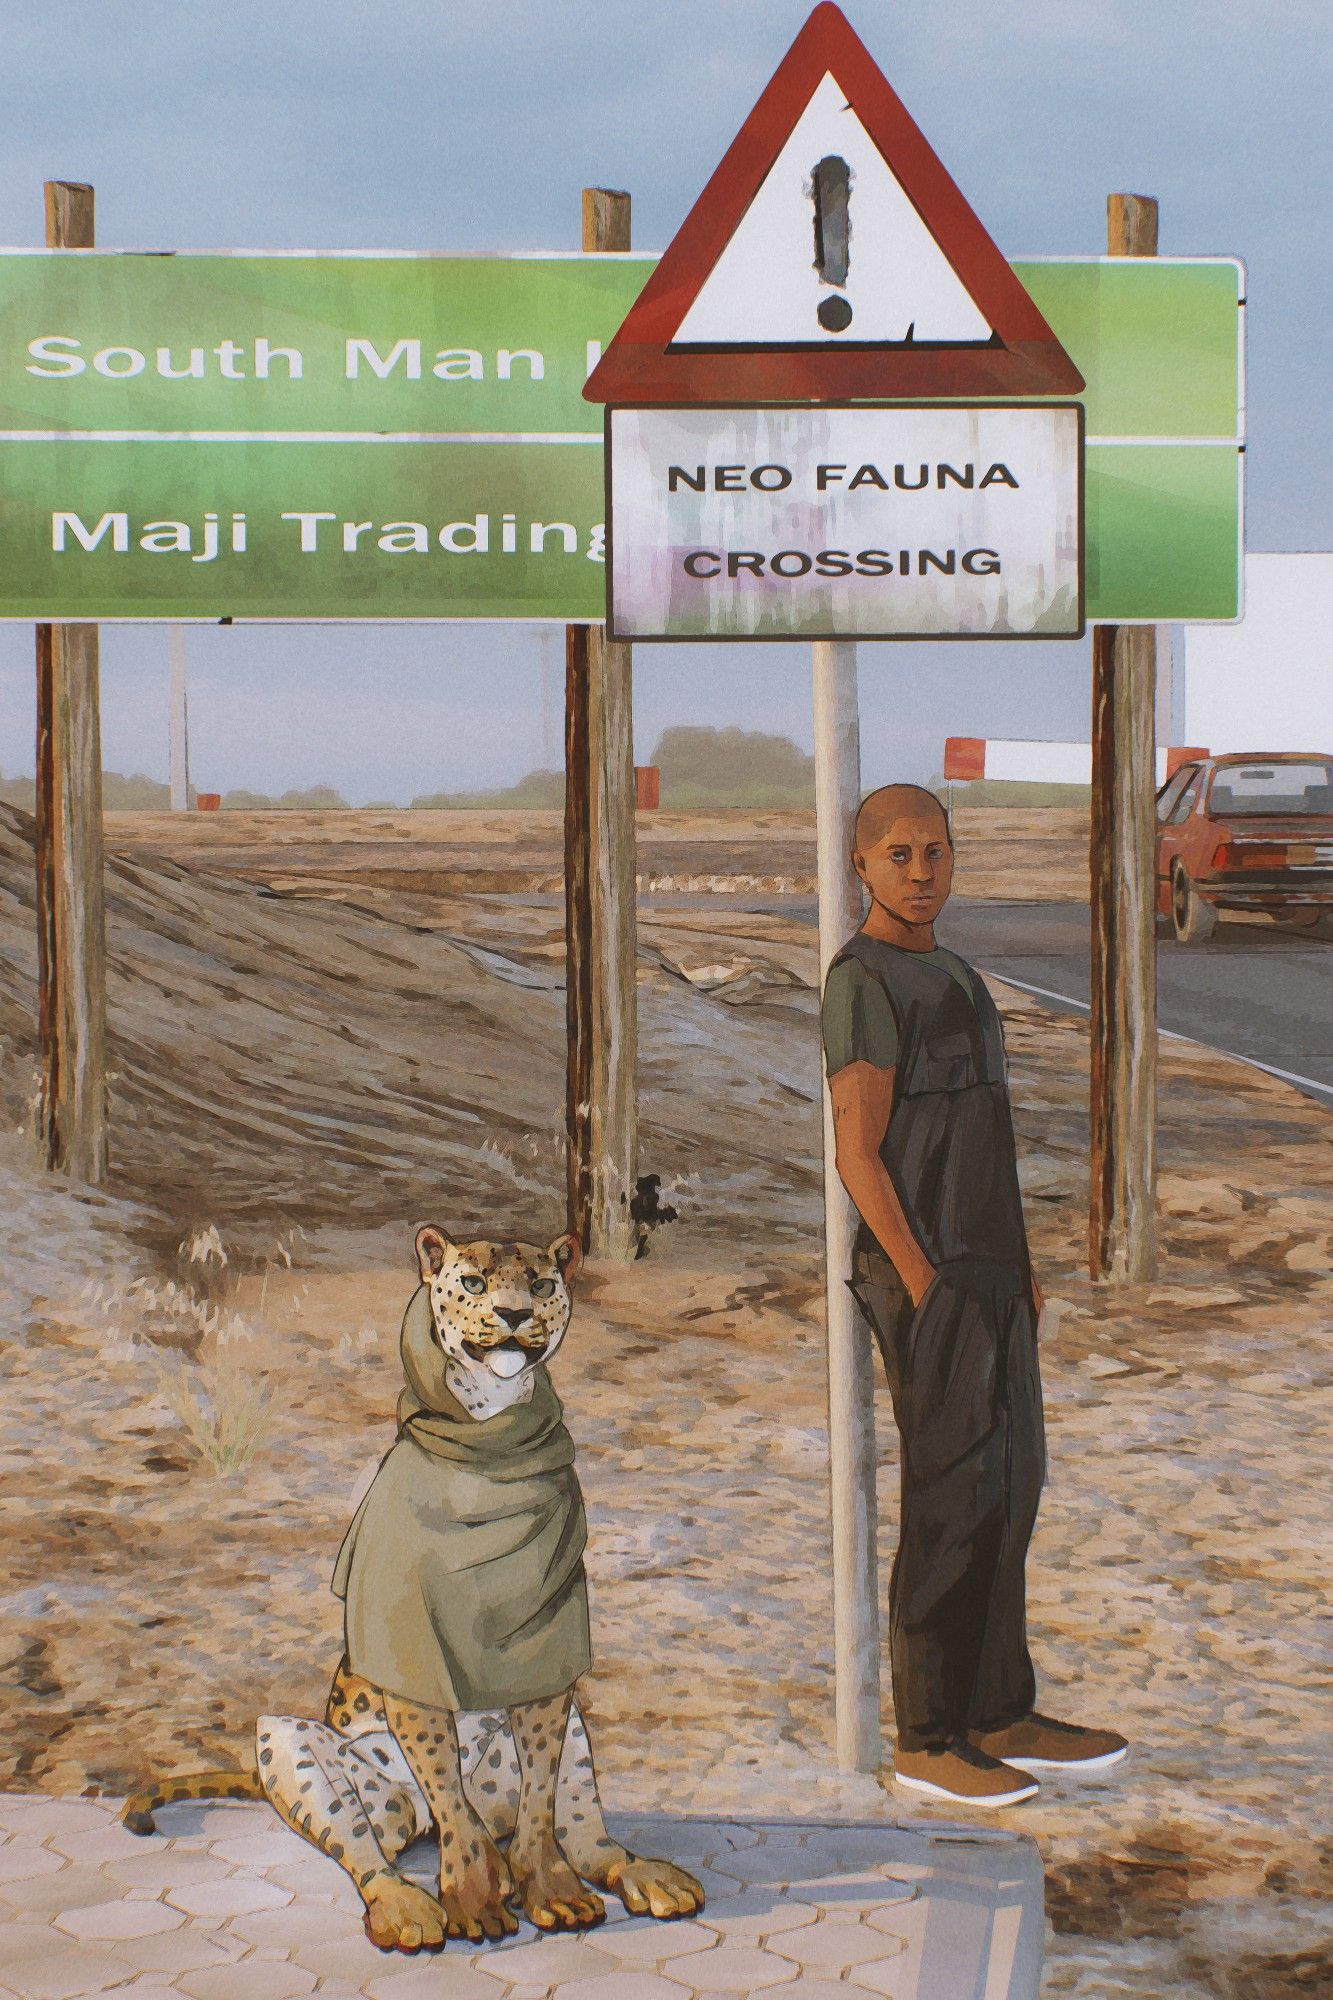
<point x="717" y="1881"/>
<point x="298" y="1924"/>
<point x="731" y="1969"/>
<point x="895" y="1978"/>
<point x="618" y="1986"/>
<point x="754" y="1913"/>
<point x="775" y="1865"/>
<point x="67" y="1888"/>
<point x="185" y="1950"/>
<point x="107" y="1843"/>
<point x="543" y="1961"/>
<point x="162" y="1869"/>
<point x="853" y="1892"/>
<point x="903" y="1920"/>
<point x="352" y="1960"/>
<point x="231" y="1898"/>
<point x="260" y="1849"/>
<point x="249" y="1981"/>
<point x="119" y="1920"/>
<point x="645" y="1940"/>
<point x="24" y="1862"/>
<point x="27" y="1941"/>
<point x="316" y="1876"/>
<point x="233" y="1821"/>
<point x="69" y="1975"/>
<point x="832" y="1945"/>
<point x="811" y="1987"/>
<point x="433" y="1976"/>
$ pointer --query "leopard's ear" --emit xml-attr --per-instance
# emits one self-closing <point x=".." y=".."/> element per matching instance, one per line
<point x="568" y="1254"/>
<point x="433" y="1246"/>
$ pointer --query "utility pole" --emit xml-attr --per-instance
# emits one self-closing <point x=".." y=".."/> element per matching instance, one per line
<point x="1122" y="1213"/>
<point x="71" y="925"/>
<point x="851" y="1382"/>
<point x="179" y="721"/>
<point x="601" y="1111"/>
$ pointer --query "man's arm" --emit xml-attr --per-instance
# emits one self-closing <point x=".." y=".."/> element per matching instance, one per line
<point x="862" y="1101"/>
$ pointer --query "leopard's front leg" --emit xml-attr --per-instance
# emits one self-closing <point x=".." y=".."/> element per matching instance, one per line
<point x="475" y="1882"/>
<point x="647" y="1887"/>
<point x="553" y="1896"/>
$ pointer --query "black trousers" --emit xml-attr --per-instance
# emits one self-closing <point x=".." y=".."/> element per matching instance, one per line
<point x="966" y="1389"/>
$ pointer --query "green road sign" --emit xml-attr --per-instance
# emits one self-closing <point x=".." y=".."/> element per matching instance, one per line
<point x="437" y="392"/>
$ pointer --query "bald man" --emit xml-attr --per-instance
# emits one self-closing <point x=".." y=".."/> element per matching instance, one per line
<point x="925" y="1148"/>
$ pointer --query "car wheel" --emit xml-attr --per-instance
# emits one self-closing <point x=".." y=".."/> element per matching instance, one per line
<point x="1192" y="920"/>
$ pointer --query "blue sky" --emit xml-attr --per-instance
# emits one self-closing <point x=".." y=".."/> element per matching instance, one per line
<point x="324" y="124"/>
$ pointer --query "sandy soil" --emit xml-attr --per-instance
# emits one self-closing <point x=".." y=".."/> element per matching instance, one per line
<point x="1035" y="856"/>
<point x="300" y="1080"/>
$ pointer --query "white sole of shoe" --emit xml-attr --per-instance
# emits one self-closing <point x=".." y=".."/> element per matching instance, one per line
<point x="1076" y="1764"/>
<point x="993" y="1801"/>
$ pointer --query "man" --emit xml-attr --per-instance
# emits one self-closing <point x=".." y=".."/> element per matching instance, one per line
<point x="925" y="1149"/>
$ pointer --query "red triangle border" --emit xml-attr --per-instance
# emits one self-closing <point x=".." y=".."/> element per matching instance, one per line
<point x="641" y="367"/>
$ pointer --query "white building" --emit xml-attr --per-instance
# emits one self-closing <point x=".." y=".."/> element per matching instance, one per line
<point x="1265" y="683"/>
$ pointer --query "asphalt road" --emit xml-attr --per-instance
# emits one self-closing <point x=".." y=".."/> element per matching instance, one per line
<point x="1253" y="990"/>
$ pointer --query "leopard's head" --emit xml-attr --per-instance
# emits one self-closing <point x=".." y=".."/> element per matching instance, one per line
<point x="497" y="1310"/>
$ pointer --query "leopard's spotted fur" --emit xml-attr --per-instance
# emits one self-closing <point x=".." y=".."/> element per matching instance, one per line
<point x="512" y="1795"/>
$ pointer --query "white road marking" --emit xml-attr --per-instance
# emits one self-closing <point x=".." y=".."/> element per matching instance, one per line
<point x="1166" y="1034"/>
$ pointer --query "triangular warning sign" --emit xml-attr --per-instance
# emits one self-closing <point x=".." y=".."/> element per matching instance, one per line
<point x="831" y="257"/>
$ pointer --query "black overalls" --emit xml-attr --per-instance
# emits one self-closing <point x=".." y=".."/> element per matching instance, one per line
<point x="962" y="1366"/>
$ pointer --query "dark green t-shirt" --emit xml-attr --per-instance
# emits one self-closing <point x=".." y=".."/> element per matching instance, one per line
<point x="857" y="1018"/>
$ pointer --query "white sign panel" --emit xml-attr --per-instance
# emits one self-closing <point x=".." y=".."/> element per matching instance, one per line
<point x="804" y="233"/>
<point x="861" y="523"/>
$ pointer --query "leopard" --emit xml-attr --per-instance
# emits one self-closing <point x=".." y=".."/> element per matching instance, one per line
<point x="509" y="1793"/>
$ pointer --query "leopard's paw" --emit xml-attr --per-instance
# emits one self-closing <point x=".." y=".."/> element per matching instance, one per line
<point x="402" y="1917"/>
<point x="654" y="1888"/>
<point x="475" y="1887"/>
<point x="554" y="1898"/>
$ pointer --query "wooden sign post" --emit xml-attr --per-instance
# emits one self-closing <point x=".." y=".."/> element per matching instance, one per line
<point x="601" y="1117"/>
<point x="71" y="937"/>
<point x="1122" y="1231"/>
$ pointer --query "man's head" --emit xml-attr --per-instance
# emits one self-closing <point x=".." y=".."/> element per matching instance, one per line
<point x="903" y="852"/>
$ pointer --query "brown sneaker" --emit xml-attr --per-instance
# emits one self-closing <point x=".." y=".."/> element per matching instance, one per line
<point x="1039" y="1744"/>
<point x="964" y="1775"/>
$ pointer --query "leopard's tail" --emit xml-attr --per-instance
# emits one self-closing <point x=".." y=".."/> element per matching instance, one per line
<point x="137" y="1811"/>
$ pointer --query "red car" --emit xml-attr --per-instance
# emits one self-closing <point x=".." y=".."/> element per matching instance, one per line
<point x="1247" y="832"/>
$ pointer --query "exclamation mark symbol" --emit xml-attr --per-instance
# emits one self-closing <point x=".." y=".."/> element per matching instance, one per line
<point x="831" y="191"/>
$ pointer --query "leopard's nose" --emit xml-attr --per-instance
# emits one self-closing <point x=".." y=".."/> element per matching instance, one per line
<point x="513" y="1317"/>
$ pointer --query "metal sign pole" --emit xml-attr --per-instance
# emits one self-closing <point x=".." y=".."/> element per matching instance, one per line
<point x="851" y="1388"/>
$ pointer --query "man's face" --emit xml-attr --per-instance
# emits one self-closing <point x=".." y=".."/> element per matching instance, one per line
<point x="909" y="869"/>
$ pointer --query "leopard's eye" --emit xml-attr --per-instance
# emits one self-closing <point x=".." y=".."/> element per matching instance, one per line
<point x="543" y="1288"/>
<point x="474" y="1285"/>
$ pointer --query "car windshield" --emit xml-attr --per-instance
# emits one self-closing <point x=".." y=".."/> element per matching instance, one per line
<point x="1271" y="788"/>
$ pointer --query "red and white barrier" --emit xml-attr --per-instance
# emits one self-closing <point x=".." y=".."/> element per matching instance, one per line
<point x="968" y="758"/>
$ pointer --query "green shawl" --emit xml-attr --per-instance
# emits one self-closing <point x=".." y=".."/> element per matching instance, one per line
<point x="462" y="1571"/>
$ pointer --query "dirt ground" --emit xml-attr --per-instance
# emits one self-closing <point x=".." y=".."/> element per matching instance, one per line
<point x="1033" y="856"/>
<point x="200" y="1368"/>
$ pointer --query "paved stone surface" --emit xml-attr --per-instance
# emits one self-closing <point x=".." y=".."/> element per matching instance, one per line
<point x="223" y="1905"/>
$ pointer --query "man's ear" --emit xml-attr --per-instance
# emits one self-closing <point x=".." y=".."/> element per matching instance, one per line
<point x="568" y="1254"/>
<point x="433" y="1246"/>
<point x="859" y="863"/>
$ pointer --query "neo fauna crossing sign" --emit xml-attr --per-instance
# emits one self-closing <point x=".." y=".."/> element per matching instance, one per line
<point x="813" y="422"/>
<point x="908" y="522"/>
